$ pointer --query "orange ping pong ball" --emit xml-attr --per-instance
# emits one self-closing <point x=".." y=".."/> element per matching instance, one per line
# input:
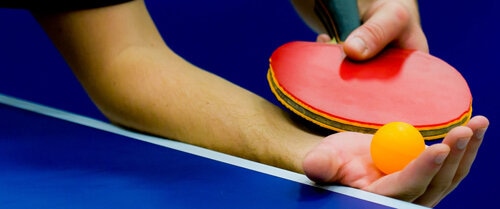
<point x="395" y="145"/>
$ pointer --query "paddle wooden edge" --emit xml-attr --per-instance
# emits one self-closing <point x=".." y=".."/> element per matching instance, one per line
<point x="339" y="124"/>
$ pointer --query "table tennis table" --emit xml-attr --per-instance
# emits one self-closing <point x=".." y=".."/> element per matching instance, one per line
<point x="51" y="158"/>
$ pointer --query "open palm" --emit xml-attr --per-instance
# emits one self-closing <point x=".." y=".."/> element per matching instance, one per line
<point x="345" y="158"/>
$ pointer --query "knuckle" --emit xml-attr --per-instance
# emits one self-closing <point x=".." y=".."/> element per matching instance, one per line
<point x="461" y="174"/>
<point x="442" y="186"/>
<point x="401" y="11"/>
<point x="374" y="31"/>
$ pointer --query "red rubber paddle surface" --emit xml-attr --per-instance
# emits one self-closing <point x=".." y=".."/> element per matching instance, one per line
<point x="318" y="82"/>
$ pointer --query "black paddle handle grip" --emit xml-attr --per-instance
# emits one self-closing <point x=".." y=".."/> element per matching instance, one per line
<point x="339" y="17"/>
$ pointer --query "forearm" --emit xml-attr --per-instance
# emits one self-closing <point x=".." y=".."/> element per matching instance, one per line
<point x="139" y="83"/>
<point x="179" y="101"/>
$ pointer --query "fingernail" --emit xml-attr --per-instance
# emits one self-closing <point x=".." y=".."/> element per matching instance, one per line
<point x="357" y="44"/>
<point x="462" y="143"/>
<point x="440" y="158"/>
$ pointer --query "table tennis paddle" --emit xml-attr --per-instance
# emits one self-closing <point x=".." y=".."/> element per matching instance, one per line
<point x="319" y="83"/>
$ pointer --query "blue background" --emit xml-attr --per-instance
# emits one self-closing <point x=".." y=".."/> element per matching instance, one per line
<point x="234" y="39"/>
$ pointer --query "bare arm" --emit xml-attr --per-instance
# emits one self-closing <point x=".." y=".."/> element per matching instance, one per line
<point x="138" y="82"/>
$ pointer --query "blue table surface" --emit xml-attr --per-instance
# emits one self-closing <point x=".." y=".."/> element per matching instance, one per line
<point x="53" y="163"/>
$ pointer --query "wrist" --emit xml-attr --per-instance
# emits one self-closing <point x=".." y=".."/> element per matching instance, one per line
<point x="289" y="140"/>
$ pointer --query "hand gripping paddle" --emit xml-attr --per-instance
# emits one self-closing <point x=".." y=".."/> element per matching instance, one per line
<point x="317" y="82"/>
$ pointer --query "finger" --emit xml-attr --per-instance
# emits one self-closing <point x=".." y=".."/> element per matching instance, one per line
<point x="377" y="31"/>
<point x="323" y="38"/>
<point x="478" y="125"/>
<point x="412" y="181"/>
<point x="457" y="139"/>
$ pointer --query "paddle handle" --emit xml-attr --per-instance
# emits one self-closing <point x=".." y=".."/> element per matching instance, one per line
<point x="339" y="17"/>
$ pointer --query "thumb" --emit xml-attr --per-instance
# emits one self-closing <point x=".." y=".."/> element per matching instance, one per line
<point x="384" y="24"/>
<point x="320" y="164"/>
